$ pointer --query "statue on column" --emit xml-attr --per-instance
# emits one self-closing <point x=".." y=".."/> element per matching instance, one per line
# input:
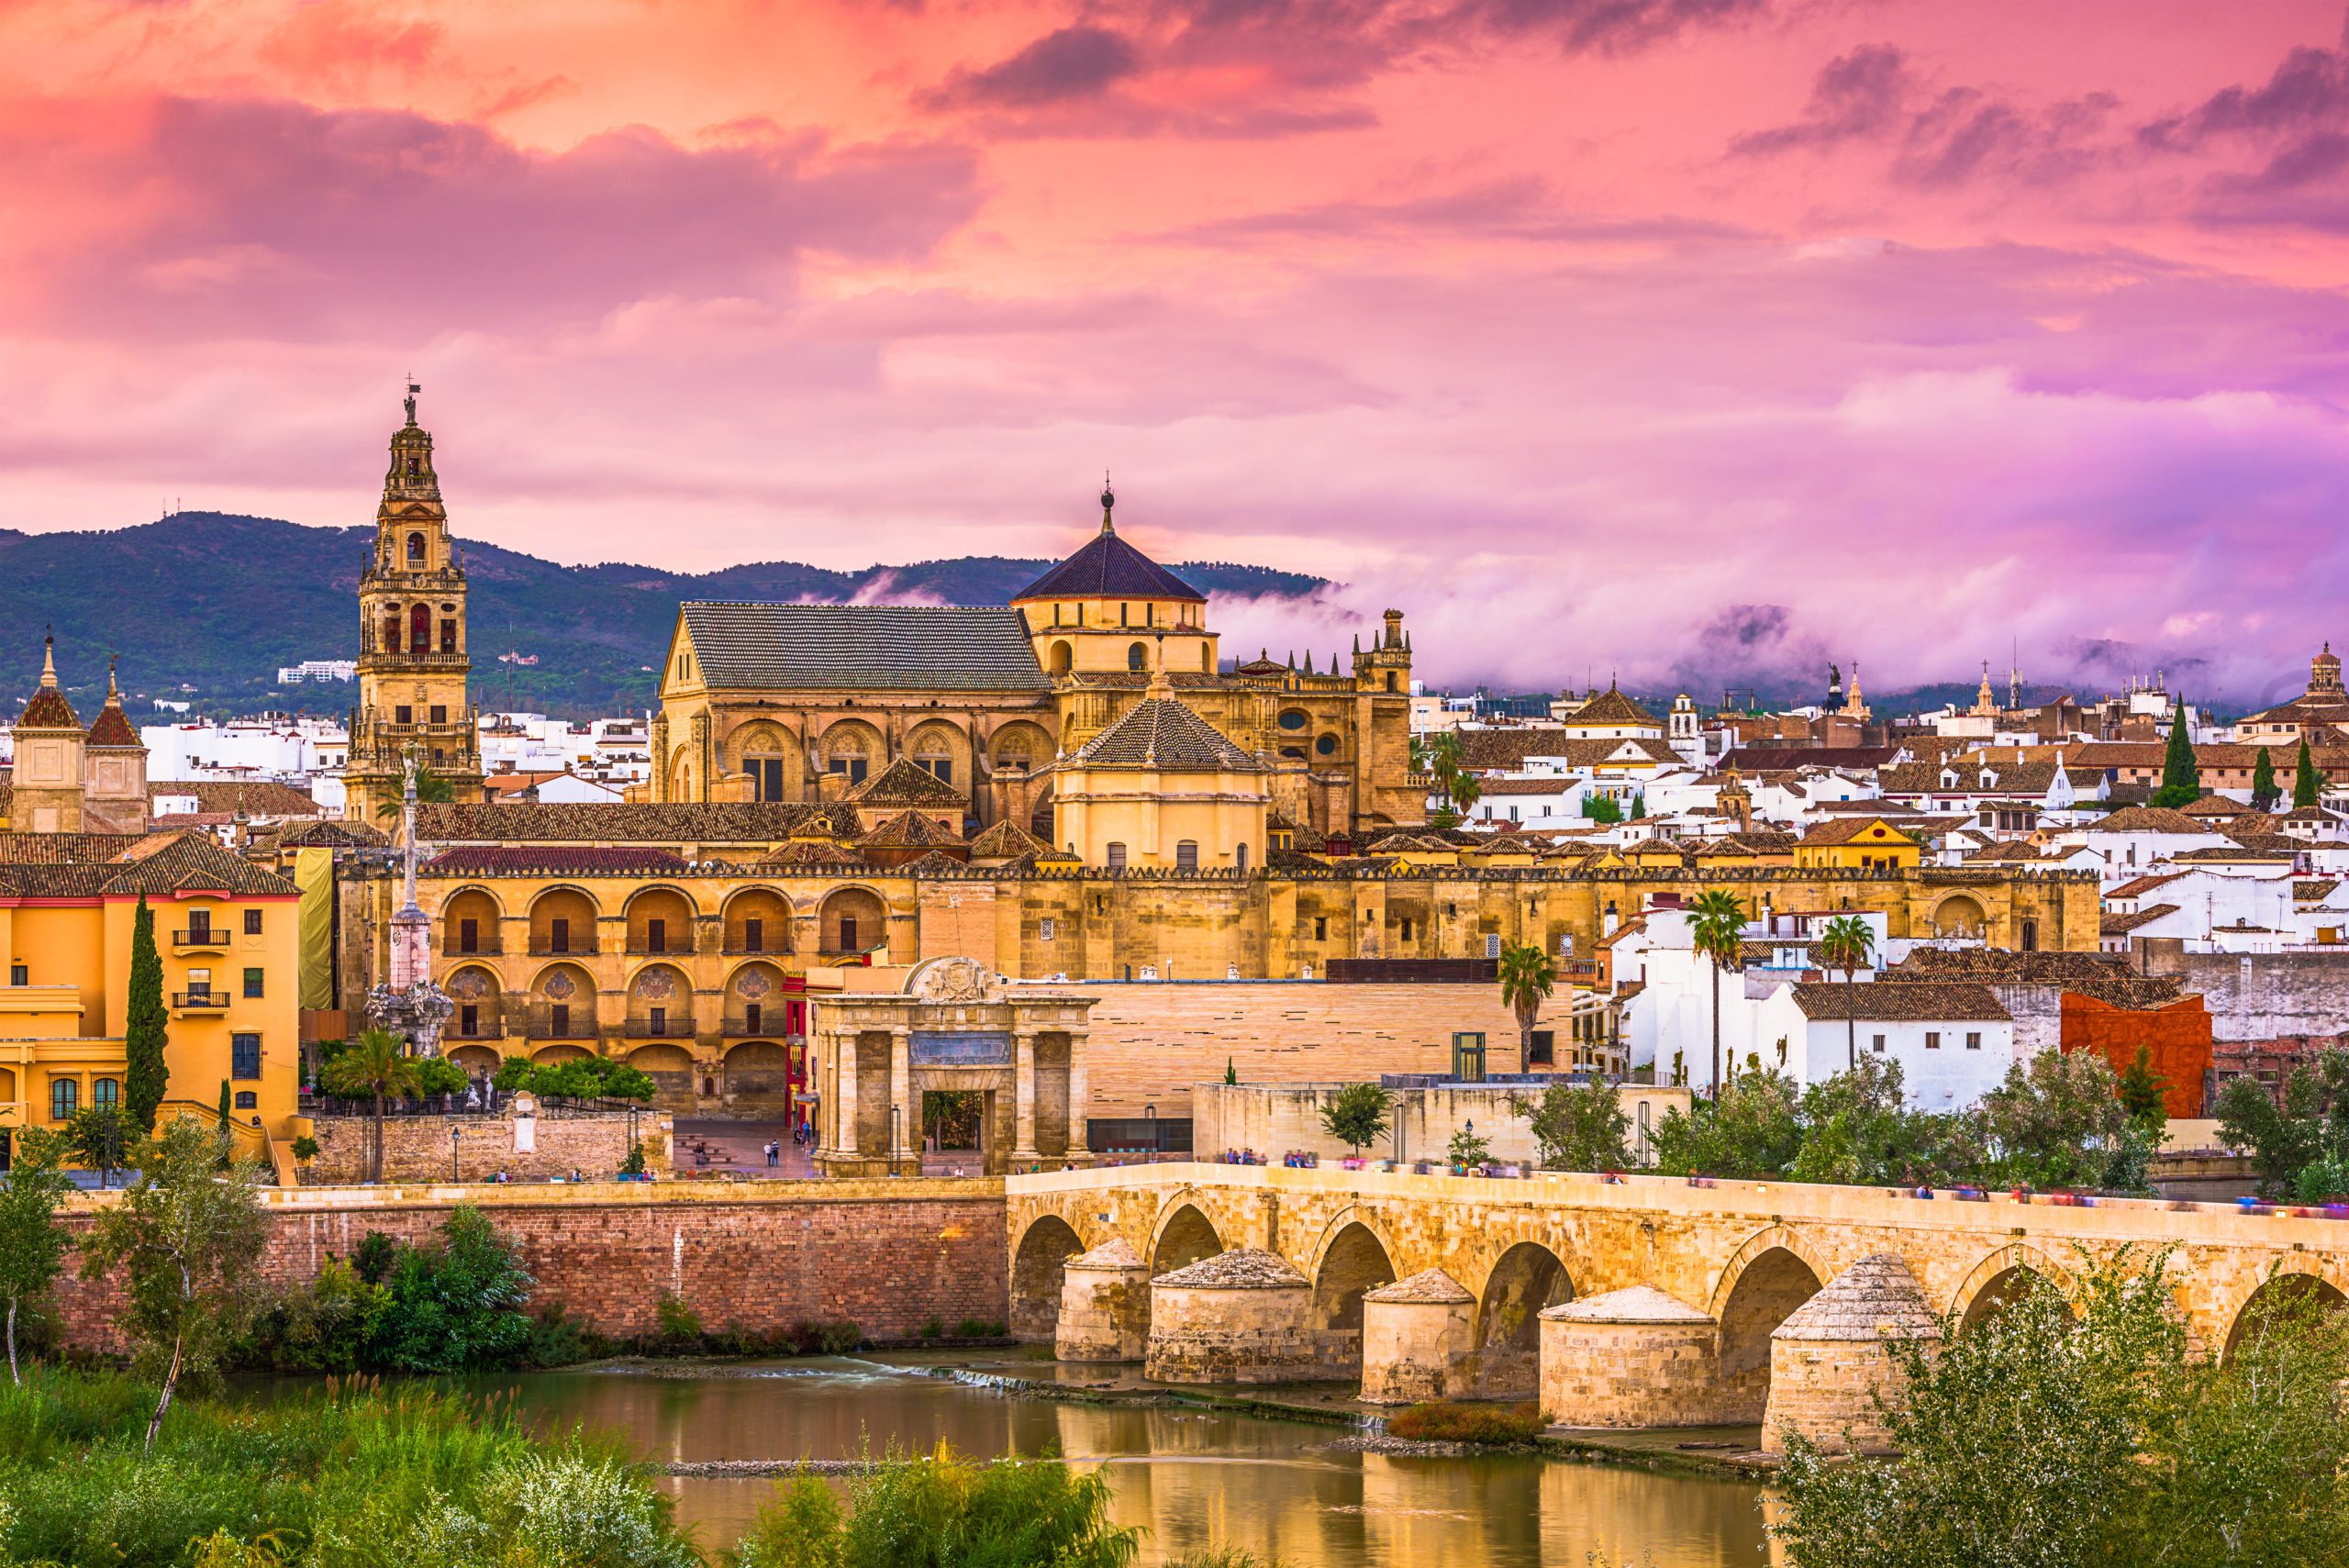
<point x="407" y="1003"/>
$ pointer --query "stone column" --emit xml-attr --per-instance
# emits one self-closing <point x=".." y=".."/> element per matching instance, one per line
<point x="1079" y="1153"/>
<point x="841" y="1051"/>
<point x="1023" y="1098"/>
<point x="907" y="1131"/>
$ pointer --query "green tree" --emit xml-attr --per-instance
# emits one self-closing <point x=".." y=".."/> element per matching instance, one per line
<point x="222" y="1132"/>
<point x="1639" y="806"/>
<point x="102" y="1138"/>
<point x="455" y="1303"/>
<point x="187" y="1237"/>
<point x="1599" y="808"/>
<point x="431" y="789"/>
<point x="32" y="1244"/>
<point x="2303" y="1139"/>
<point x="1357" y="1115"/>
<point x="1845" y="945"/>
<point x="1467" y="1148"/>
<point x="1717" y="930"/>
<point x="2308" y="785"/>
<point x="1579" y="1127"/>
<point x="2181" y="780"/>
<point x="1230" y="1074"/>
<point x="2264" y="793"/>
<point x="145" y="1078"/>
<point x="2059" y="1122"/>
<point x="2141" y="1091"/>
<point x="2083" y="1433"/>
<point x="1753" y="1129"/>
<point x="1528" y="976"/>
<point x="376" y="1063"/>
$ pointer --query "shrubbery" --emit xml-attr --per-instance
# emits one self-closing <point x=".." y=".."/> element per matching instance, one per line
<point x="1445" y="1421"/>
<point x="453" y="1304"/>
<point x="945" y="1511"/>
<point x="580" y="1078"/>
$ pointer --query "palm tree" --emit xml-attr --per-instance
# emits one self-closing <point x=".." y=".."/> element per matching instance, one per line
<point x="376" y="1063"/>
<point x="431" y="789"/>
<point x="1717" y="927"/>
<point x="1528" y="977"/>
<point x="1846" y="945"/>
<point x="1438" y="756"/>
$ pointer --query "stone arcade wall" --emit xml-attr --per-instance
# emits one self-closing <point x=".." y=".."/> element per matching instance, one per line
<point x="887" y="1255"/>
<point x="416" y="1149"/>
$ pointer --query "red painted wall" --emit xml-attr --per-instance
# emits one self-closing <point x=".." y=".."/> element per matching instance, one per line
<point x="2179" y="1035"/>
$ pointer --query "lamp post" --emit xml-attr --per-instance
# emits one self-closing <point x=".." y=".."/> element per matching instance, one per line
<point x="1149" y="1127"/>
<point x="456" y="1134"/>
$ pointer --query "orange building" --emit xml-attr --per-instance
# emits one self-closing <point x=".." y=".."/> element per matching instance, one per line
<point x="2178" y="1036"/>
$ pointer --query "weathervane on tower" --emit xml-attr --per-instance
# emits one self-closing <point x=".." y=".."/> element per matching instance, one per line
<point x="1108" y="499"/>
<point x="410" y="399"/>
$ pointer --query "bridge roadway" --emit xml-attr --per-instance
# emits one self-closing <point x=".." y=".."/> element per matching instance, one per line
<point x="1746" y="1253"/>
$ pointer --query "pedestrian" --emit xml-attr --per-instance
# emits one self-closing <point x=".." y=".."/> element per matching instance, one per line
<point x="774" y="1153"/>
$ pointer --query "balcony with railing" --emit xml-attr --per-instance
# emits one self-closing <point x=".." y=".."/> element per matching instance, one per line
<point x="201" y="938"/>
<point x="658" y="1029"/>
<point x="200" y="1002"/>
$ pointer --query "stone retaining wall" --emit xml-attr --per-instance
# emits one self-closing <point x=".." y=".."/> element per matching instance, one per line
<point x="418" y="1149"/>
<point x="885" y="1255"/>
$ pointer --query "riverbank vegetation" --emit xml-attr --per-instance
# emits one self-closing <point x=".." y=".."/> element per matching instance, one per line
<point x="2300" y="1146"/>
<point x="2089" y="1432"/>
<point x="2056" y="1122"/>
<point x="1450" y="1421"/>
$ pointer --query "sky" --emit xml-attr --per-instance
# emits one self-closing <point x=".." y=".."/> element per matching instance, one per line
<point x="1696" y="342"/>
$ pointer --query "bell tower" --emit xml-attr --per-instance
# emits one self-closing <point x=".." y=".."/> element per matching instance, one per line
<point x="412" y="652"/>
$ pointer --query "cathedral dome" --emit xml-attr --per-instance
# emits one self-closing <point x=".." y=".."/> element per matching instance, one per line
<point x="1108" y="568"/>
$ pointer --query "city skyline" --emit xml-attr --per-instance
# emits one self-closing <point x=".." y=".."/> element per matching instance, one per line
<point x="1678" y="337"/>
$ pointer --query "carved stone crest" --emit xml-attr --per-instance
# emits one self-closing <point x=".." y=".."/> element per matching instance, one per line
<point x="952" y="980"/>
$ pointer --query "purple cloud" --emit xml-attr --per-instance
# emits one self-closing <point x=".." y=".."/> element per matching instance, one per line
<point x="1072" y="62"/>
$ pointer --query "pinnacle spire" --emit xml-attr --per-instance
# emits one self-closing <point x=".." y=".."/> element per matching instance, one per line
<point x="48" y="661"/>
<point x="1109" y="501"/>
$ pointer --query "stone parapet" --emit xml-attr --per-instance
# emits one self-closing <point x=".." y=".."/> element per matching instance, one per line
<point x="419" y="1148"/>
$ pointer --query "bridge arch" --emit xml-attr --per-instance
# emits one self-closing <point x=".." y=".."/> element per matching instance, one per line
<point x="1523" y="1280"/>
<point x="2000" y="1280"/>
<point x="1046" y="1243"/>
<point x="1183" y="1235"/>
<point x="1768" y="1278"/>
<point x="1350" y="1260"/>
<point x="2285" y="1287"/>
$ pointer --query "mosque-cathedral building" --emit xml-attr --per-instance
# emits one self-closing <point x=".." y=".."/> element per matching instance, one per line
<point x="1071" y="791"/>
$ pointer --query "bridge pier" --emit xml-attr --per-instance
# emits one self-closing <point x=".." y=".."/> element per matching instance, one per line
<point x="1105" y="1306"/>
<point x="1417" y="1340"/>
<point x="1831" y="1362"/>
<point x="1631" y="1357"/>
<point x="1239" y="1317"/>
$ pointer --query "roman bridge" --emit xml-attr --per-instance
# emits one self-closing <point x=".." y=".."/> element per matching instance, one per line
<point x="1745" y="1254"/>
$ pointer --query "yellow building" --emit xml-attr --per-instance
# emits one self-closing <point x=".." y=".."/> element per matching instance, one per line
<point x="1857" y="843"/>
<point x="767" y="702"/>
<point x="225" y="930"/>
<point x="413" y="655"/>
<point x="1160" y="787"/>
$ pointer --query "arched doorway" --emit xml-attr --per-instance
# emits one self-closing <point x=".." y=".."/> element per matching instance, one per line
<point x="1036" y="1278"/>
<point x="1771" y="1286"/>
<point x="854" y="920"/>
<point x="659" y="1004"/>
<point x="476" y="1011"/>
<point x="1185" y="1239"/>
<point x="671" y="1068"/>
<point x="1958" y="915"/>
<point x="562" y="1004"/>
<point x="469" y="924"/>
<point x="660" y="920"/>
<point x="2285" y="1295"/>
<point x="1527" y="1278"/>
<point x="758" y="920"/>
<point x="1355" y="1261"/>
<point x="563" y="920"/>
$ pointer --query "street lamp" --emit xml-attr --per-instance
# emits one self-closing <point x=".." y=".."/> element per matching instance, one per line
<point x="1149" y="1124"/>
<point x="455" y="1134"/>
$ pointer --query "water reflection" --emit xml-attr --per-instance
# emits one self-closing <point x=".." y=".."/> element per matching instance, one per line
<point x="1195" y="1479"/>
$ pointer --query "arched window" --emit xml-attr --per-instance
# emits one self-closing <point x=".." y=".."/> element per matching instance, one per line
<point x="1116" y="857"/>
<point x="1187" y="854"/>
<point x="1137" y="657"/>
<point x="419" y="629"/>
<point x="64" y="1098"/>
<point x="447" y="637"/>
<point x="1239" y="859"/>
<point x="105" y="1092"/>
<point x="1063" y="659"/>
<point x="416" y="549"/>
<point x="392" y="630"/>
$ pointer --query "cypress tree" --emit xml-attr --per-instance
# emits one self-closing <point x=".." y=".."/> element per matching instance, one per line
<point x="2264" y="793"/>
<point x="2306" y="783"/>
<point x="144" y="1080"/>
<point x="2181" y="780"/>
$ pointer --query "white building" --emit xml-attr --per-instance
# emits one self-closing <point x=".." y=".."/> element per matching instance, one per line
<point x="289" y="748"/>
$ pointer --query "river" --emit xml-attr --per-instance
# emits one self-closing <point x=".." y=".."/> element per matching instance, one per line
<point x="1194" y="1478"/>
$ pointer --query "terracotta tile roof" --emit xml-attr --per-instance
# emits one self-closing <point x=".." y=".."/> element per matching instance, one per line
<point x="2239" y="854"/>
<point x="328" y="833"/>
<point x="1428" y="1285"/>
<point x="1004" y="842"/>
<point x="902" y="783"/>
<point x="2112" y="925"/>
<point x="1793" y="759"/>
<point x="935" y="861"/>
<point x="1106" y="567"/>
<point x="1611" y="707"/>
<point x="862" y="648"/>
<point x="158" y="864"/>
<point x="2216" y="806"/>
<point x="1560" y="784"/>
<point x="261" y="798"/>
<point x="2105" y="976"/>
<point x="2149" y="819"/>
<point x="1909" y="1001"/>
<point x="113" y="730"/>
<point x="1164" y="733"/>
<point x="2267" y="842"/>
<point x="1856" y="830"/>
<point x="1505" y="751"/>
<point x="2138" y="887"/>
<point x="812" y="854"/>
<point x="2309" y="891"/>
<point x="557" y="860"/>
<point x="907" y="831"/>
<point x="1262" y="664"/>
<point x="712" y="822"/>
<point x="64" y="848"/>
<point x="48" y="710"/>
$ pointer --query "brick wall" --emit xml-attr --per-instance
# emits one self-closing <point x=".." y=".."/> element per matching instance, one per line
<point x="887" y="1255"/>
<point x="417" y="1149"/>
<point x="2177" y="1035"/>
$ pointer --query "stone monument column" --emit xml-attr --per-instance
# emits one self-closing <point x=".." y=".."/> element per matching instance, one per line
<point x="1023" y="1100"/>
<point x="840" y="1051"/>
<point x="1079" y="1150"/>
<point x="905" y="1130"/>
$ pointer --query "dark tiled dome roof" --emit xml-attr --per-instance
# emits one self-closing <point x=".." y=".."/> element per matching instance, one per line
<point x="1110" y="568"/>
<point x="112" y="729"/>
<point x="49" y="711"/>
<point x="1162" y="732"/>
